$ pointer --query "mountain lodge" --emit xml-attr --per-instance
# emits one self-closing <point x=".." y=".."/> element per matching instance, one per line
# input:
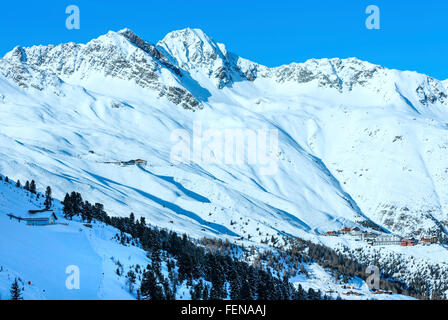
<point x="41" y="221"/>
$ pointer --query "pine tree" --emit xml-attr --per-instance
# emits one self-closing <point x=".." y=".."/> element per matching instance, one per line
<point x="150" y="289"/>
<point x="301" y="293"/>
<point x="86" y="211"/>
<point x="68" y="208"/>
<point x="18" y="185"/>
<point x="33" y="187"/>
<point x="6" y="179"/>
<point x="48" y="200"/>
<point x="288" y="289"/>
<point x="130" y="279"/>
<point x="206" y="293"/>
<point x="16" y="292"/>
<point x="246" y="293"/>
<point x="218" y="291"/>
<point x="196" y="291"/>
<point x="235" y="285"/>
<point x="27" y="185"/>
<point x="139" y="296"/>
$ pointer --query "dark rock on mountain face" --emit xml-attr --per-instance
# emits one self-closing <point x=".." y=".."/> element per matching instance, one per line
<point x="184" y="54"/>
<point x="150" y="49"/>
<point x="121" y="55"/>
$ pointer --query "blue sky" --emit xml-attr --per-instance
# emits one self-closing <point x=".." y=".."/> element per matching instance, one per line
<point x="413" y="34"/>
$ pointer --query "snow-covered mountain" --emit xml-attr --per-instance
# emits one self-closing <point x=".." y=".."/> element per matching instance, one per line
<point x="359" y="144"/>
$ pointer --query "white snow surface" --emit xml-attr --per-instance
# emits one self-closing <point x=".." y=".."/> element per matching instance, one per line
<point x="356" y="142"/>
<point x="39" y="257"/>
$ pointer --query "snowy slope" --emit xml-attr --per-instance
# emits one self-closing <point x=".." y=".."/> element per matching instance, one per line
<point x="358" y="143"/>
<point x="39" y="257"/>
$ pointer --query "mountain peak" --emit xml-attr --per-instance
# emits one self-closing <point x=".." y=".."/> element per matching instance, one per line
<point x="17" y="54"/>
<point x="114" y="56"/>
<point x="191" y="47"/>
<point x="190" y="54"/>
<point x="188" y="33"/>
<point x="134" y="39"/>
<point x="125" y="30"/>
<point x="193" y="50"/>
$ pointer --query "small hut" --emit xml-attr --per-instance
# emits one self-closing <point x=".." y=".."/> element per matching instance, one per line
<point x="42" y="220"/>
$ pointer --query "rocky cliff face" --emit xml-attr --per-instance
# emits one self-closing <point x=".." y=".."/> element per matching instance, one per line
<point x="124" y="55"/>
<point x="121" y="55"/>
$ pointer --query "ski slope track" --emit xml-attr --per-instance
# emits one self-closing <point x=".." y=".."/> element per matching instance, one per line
<point x="358" y="144"/>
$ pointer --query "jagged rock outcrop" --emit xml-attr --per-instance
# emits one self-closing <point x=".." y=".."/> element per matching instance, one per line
<point x="120" y="55"/>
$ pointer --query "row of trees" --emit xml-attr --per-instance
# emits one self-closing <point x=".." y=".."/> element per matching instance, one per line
<point x="31" y="187"/>
<point x="346" y="267"/>
<point x="75" y="206"/>
<point x="227" y="276"/>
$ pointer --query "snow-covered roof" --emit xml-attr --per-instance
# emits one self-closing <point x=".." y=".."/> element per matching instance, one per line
<point x="37" y="215"/>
